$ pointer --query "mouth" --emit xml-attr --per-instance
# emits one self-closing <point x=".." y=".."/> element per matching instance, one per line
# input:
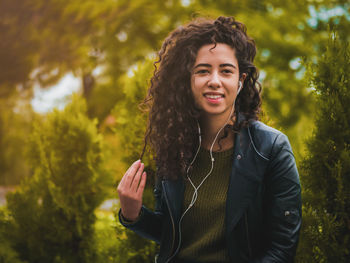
<point x="213" y="97"/>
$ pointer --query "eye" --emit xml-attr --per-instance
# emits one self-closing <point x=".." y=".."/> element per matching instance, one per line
<point x="227" y="71"/>
<point x="202" y="71"/>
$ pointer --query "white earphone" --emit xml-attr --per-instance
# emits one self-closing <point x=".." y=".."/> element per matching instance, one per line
<point x="239" y="87"/>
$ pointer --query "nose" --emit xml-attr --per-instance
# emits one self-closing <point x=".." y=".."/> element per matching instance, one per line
<point x="214" y="80"/>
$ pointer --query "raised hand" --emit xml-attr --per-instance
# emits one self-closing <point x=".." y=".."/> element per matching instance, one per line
<point x="130" y="190"/>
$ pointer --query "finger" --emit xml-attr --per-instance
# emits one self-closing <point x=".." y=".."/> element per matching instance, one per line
<point x="136" y="180"/>
<point x="122" y="181"/>
<point x="131" y="173"/>
<point x="142" y="184"/>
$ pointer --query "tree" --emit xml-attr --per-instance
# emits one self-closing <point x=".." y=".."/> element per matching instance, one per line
<point x="42" y="40"/>
<point x="131" y="33"/>
<point x="326" y="168"/>
<point x="53" y="210"/>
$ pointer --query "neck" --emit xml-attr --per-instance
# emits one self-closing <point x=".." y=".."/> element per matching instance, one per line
<point x="211" y="126"/>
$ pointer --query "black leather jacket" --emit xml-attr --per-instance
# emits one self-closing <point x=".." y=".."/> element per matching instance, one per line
<point x="263" y="207"/>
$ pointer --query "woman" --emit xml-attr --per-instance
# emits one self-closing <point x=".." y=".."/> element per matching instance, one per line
<point x="228" y="188"/>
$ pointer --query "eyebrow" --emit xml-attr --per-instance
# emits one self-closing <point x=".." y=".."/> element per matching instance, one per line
<point x="209" y="66"/>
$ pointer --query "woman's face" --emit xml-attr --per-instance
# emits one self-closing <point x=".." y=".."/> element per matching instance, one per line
<point x="214" y="80"/>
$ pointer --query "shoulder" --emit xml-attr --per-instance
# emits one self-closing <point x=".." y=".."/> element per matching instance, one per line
<point x="262" y="129"/>
<point x="267" y="140"/>
<point x="276" y="149"/>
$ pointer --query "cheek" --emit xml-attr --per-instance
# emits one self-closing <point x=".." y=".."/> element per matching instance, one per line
<point x="196" y="91"/>
<point x="197" y="83"/>
<point x="232" y="86"/>
<point x="194" y="86"/>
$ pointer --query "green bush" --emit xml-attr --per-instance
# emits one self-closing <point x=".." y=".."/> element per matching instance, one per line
<point x="107" y="244"/>
<point x="7" y="253"/>
<point x="53" y="211"/>
<point x="326" y="170"/>
<point x="116" y="244"/>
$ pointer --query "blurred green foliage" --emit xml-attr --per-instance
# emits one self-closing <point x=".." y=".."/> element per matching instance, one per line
<point x="53" y="210"/>
<point x="110" y="46"/>
<point x="326" y="168"/>
<point x="7" y="253"/>
<point x="16" y="116"/>
<point x="131" y="124"/>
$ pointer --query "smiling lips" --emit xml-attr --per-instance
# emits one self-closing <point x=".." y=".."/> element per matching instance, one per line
<point x="213" y="97"/>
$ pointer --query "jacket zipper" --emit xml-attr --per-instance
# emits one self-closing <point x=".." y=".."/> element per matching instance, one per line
<point x="247" y="231"/>
<point x="172" y="220"/>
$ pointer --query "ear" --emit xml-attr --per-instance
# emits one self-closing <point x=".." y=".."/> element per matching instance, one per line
<point x="242" y="78"/>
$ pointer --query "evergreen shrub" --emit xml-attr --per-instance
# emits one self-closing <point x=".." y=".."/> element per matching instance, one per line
<point x="7" y="253"/>
<point x="325" y="171"/>
<point x="53" y="210"/>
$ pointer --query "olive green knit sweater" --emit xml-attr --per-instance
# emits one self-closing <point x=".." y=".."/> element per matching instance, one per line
<point x="203" y="226"/>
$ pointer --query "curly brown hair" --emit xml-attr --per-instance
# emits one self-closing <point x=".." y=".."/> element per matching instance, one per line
<point x="172" y="129"/>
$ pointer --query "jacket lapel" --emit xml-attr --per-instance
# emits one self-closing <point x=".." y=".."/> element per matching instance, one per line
<point x="245" y="179"/>
<point x="174" y="191"/>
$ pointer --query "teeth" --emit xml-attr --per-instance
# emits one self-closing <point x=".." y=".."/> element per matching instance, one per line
<point x="213" y="96"/>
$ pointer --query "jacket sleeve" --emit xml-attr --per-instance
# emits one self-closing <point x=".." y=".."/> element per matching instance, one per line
<point x="149" y="223"/>
<point x="282" y="205"/>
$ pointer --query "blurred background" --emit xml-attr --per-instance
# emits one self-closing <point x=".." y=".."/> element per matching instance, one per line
<point x="72" y="74"/>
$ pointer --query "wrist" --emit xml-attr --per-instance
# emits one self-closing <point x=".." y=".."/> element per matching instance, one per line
<point x="128" y="219"/>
